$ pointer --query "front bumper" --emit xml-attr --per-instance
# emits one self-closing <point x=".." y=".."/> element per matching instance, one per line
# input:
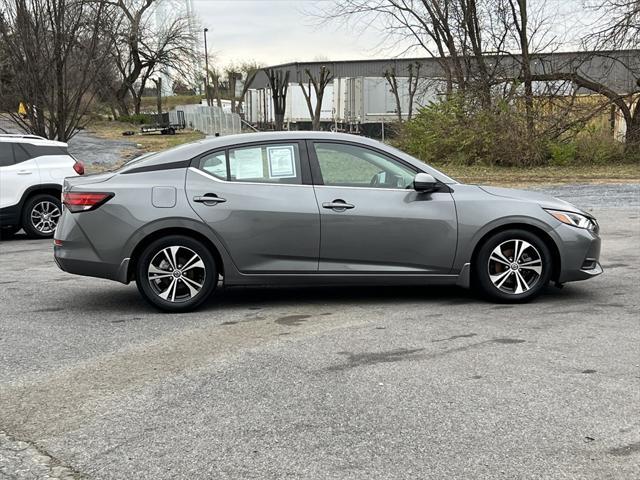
<point x="579" y="254"/>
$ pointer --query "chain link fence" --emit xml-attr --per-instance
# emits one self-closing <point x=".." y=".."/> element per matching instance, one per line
<point x="208" y="120"/>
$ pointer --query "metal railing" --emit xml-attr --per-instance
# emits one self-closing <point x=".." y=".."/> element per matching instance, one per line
<point x="208" y="120"/>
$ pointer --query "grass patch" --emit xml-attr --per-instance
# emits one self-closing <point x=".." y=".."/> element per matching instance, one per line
<point x="523" y="176"/>
<point x="148" y="104"/>
<point x="150" y="142"/>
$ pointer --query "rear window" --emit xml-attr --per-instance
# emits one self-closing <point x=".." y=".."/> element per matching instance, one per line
<point x="43" y="150"/>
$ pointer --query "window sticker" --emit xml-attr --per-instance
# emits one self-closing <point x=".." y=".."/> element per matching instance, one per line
<point x="281" y="161"/>
<point x="247" y="163"/>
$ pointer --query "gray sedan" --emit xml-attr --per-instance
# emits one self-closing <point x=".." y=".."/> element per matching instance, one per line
<point x="313" y="208"/>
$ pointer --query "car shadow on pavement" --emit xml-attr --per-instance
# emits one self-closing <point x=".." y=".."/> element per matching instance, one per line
<point x="360" y="295"/>
<point x="127" y="299"/>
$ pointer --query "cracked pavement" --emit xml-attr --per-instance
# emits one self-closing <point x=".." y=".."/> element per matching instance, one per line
<point x="320" y="383"/>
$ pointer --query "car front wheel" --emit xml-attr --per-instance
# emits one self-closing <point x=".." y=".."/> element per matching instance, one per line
<point x="176" y="273"/>
<point x="513" y="266"/>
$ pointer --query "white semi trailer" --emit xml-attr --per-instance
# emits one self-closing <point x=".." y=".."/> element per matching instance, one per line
<point x="355" y="104"/>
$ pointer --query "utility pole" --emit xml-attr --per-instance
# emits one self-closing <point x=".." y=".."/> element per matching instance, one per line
<point x="206" y="68"/>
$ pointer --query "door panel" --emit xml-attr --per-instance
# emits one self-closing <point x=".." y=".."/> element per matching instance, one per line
<point x="266" y="227"/>
<point x="387" y="231"/>
<point x="16" y="178"/>
<point x="371" y="218"/>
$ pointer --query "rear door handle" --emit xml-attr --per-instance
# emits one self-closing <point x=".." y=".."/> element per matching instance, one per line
<point x="209" y="199"/>
<point x="338" y="205"/>
<point x="24" y="172"/>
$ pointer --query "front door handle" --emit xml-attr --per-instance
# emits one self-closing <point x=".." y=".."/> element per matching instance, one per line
<point x="338" y="205"/>
<point x="209" y="199"/>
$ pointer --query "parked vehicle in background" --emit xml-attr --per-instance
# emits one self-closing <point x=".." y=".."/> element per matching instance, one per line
<point x="313" y="208"/>
<point x="32" y="170"/>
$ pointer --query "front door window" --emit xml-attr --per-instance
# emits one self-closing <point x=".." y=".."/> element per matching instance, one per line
<point x="344" y="165"/>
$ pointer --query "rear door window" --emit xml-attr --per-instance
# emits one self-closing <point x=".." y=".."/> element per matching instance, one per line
<point x="268" y="163"/>
<point x="275" y="163"/>
<point x="215" y="164"/>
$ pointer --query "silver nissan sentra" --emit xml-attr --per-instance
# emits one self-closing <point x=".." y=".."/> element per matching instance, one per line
<point x="313" y="208"/>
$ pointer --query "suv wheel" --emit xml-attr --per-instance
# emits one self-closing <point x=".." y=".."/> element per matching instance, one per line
<point x="40" y="216"/>
<point x="176" y="273"/>
<point x="513" y="266"/>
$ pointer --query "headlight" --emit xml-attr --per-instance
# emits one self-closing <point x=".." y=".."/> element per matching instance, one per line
<point x="574" y="219"/>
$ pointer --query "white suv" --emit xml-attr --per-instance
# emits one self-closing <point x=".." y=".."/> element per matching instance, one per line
<point x="32" y="170"/>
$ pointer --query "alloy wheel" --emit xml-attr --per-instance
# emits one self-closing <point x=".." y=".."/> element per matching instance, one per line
<point x="176" y="274"/>
<point x="45" y="216"/>
<point x="515" y="266"/>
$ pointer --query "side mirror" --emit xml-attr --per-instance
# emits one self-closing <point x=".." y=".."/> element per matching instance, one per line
<point x="423" y="182"/>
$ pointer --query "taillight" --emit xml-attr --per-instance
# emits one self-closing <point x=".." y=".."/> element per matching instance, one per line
<point x="84" y="201"/>
<point x="78" y="167"/>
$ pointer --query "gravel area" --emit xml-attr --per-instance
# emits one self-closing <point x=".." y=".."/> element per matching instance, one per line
<point x="626" y="195"/>
<point x="88" y="148"/>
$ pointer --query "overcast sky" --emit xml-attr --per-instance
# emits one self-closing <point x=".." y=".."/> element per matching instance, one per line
<point x="279" y="31"/>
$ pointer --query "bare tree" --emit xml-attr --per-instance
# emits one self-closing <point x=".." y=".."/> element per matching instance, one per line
<point x="413" y="80"/>
<point x="618" y="26"/>
<point x="214" y="85"/>
<point x="248" y="71"/>
<point x="143" y="49"/>
<point x="279" y="83"/>
<point x="56" y="54"/>
<point x="450" y="31"/>
<point x="392" y="80"/>
<point x="319" y="85"/>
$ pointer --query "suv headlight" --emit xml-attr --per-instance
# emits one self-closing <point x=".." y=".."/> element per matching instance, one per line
<point x="574" y="219"/>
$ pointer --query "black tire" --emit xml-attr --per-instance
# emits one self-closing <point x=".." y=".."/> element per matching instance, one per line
<point x="31" y="227"/>
<point x="509" y="277"/>
<point x="8" y="232"/>
<point x="159" y="252"/>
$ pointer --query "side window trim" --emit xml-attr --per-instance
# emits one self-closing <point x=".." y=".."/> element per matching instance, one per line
<point x="305" y="169"/>
<point x="315" y="164"/>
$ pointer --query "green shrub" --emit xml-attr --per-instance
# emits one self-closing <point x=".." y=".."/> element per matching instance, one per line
<point x="452" y="131"/>
<point x="460" y="132"/>
<point x="562" y="153"/>
<point x="597" y="147"/>
<point x="136" y="119"/>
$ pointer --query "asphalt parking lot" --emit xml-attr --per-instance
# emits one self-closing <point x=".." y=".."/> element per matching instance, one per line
<point x="355" y="383"/>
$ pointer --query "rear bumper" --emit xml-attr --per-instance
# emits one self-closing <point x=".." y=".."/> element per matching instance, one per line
<point x="74" y="253"/>
<point x="65" y="261"/>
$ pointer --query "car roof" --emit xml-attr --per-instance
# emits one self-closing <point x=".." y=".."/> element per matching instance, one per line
<point x="31" y="139"/>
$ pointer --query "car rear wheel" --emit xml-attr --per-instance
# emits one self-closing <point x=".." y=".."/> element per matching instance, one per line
<point x="40" y="216"/>
<point x="513" y="266"/>
<point x="176" y="273"/>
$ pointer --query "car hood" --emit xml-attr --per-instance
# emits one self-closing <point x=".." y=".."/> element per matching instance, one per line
<point x="542" y="199"/>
